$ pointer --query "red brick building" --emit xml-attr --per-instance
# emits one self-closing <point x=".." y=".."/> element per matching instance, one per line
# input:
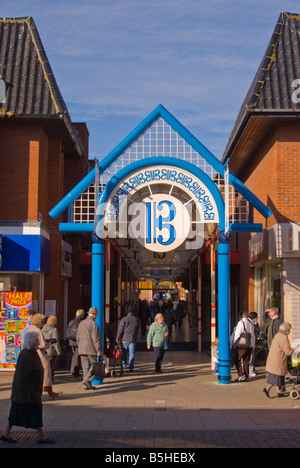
<point x="264" y="152"/>
<point x="43" y="154"/>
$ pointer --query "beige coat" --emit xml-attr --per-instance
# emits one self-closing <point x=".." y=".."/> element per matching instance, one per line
<point x="43" y="356"/>
<point x="88" y="338"/>
<point x="278" y="354"/>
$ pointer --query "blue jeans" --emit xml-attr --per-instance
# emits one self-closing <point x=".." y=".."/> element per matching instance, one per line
<point x="125" y="348"/>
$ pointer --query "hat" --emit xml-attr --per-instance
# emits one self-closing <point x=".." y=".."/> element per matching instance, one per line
<point x="93" y="311"/>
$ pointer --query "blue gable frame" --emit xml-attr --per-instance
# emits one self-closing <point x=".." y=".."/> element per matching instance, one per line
<point x="224" y="375"/>
<point x="162" y="112"/>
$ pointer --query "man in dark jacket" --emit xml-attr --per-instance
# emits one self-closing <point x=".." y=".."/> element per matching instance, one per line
<point x="273" y="324"/>
<point x="127" y="333"/>
<point x="71" y="336"/>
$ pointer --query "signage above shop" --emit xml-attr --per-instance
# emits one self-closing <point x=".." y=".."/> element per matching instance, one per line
<point x="258" y="248"/>
<point x="161" y="207"/>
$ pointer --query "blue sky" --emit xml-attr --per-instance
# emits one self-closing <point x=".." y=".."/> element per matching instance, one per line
<point x="116" y="60"/>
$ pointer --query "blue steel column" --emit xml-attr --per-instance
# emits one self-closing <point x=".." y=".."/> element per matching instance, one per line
<point x="224" y="375"/>
<point x="98" y="289"/>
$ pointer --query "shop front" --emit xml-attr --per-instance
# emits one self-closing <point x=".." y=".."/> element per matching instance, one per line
<point x="25" y="259"/>
<point x="274" y="255"/>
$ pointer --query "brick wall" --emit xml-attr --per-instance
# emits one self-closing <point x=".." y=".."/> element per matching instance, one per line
<point x="273" y="175"/>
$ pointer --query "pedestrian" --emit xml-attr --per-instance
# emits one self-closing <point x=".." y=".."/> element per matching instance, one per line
<point x="144" y="316"/>
<point x="37" y="323"/>
<point x="71" y="337"/>
<point x="243" y="354"/>
<point x="157" y="337"/>
<point x="153" y="310"/>
<point x="179" y="314"/>
<point x="215" y="356"/>
<point x="51" y="335"/>
<point x="273" y="324"/>
<point x="26" y="397"/>
<point x="89" y="346"/>
<point x="30" y="314"/>
<point x="169" y="316"/>
<point x="253" y="317"/>
<point x="127" y="334"/>
<point x="277" y="365"/>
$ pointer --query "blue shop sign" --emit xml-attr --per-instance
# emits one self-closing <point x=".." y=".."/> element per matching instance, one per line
<point x="25" y="253"/>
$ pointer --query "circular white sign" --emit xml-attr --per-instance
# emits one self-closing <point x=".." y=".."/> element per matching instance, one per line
<point x="166" y="223"/>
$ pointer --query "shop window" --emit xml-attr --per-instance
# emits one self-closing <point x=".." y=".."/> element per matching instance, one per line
<point x="275" y="285"/>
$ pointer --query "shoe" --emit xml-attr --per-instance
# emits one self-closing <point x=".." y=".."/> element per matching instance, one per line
<point x="253" y="374"/>
<point x="88" y="386"/>
<point x="241" y="379"/>
<point x="9" y="440"/>
<point x="46" y="441"/>
<point x="265" y="391"/>
<point x="54" y="395"/>
<point x="281" y="395"/>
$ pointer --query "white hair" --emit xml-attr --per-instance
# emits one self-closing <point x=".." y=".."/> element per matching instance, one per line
<point x="285" y="326"/>
<point x="30" y="340"/>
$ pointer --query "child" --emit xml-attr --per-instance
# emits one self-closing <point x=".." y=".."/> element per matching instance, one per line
<point x="215" y="355"/>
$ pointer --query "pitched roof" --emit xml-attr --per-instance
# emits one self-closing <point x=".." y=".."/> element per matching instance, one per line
<point x="273" y="86"/>
<point x="31" y="88"/>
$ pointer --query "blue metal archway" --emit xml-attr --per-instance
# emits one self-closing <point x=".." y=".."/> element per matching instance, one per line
<point x="224" y="375"/>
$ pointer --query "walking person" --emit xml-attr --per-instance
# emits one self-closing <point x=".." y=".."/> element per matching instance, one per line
<point x="179" y="314"/>
<point x="157" y="337"/>
<point x="277" y="365"/>
<point x="71" y="337"/>
<point x="253" y="317"/>
<point x="37" y="323"/>
<point x="127" y="334"/>
<point x="27" y="388"/>
<point x="30" y="314"/>
<point x="169" y="317"/>
<point x="243" y="354"/>
<point x="144" y="316"/>
<point x="273" y="324"/>
<point x="89" y="346"/>
<point x="51" y="335"/>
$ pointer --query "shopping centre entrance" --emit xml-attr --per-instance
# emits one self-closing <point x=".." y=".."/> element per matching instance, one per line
<point x="162" y="202"/>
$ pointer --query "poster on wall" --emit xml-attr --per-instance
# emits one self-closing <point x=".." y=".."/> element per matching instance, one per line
<point x="13" y="319"/>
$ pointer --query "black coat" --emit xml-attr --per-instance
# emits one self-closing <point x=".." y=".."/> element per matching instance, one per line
<point x="27" y="385"/>
<point x="128" y="329"/>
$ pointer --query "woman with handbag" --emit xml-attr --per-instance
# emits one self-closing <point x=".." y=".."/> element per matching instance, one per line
<point x="244" y="342"/>
<point x="157" y="337"/>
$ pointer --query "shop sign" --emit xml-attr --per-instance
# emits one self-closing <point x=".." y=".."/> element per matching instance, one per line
<point x="67" y="260"/>
<point x="258" y="248"/>
<point x="24" y="252"/>
<point x="13" y="319"/>
<point x="163" y="221"/>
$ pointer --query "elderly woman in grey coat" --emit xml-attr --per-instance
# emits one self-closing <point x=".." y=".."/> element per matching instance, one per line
<point x="276" y="365"/>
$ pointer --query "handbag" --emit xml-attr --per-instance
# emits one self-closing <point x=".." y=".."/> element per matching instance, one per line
<point x="244" y="340"/>
<point x="98" y="369"/>
<point x="114" y="351"/>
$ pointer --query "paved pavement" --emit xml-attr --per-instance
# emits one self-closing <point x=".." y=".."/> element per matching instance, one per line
<point x="182" y="409"/>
